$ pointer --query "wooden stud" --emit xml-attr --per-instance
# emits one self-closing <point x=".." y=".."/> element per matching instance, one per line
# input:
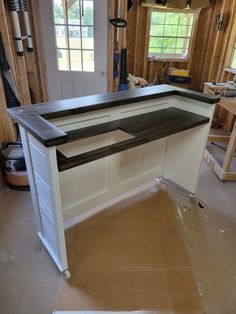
<point x="228" y="44"/>
<point x="230" y="150"/>
<point x="38" y="56"/>
<point x="193" y="40"/>
<point x="7" y="131"/>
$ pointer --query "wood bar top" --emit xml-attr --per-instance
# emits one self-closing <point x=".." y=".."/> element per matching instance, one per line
<point x="34" y="117"/>
<point x="144" y="128"/>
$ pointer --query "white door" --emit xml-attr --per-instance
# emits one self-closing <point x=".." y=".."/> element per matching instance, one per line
<point x="75" y="43"/>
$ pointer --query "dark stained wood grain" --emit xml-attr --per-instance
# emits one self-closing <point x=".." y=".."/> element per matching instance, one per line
<point x="145" y="128"/>
<point x="34" y="117"/>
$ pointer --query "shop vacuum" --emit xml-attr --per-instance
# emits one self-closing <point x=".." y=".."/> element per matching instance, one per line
<point x="13" y="166"/>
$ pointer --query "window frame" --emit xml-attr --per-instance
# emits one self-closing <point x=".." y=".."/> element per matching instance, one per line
<point x="233" y="54"/>
<point x="191" y="38"/>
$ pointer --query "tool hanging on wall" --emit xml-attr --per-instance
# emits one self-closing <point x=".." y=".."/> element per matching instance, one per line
<point x="16" y="7"/>
<point x="24" y="10"/>
<point x="123" y="84"/>
<point x="116" y="58"/>
<point x="118" y="23"/>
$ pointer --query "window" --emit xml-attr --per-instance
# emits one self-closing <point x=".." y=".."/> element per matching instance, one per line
<point x="170" y="34"/>
<point x="74" y="31"/>
<point x="233" y="58"/>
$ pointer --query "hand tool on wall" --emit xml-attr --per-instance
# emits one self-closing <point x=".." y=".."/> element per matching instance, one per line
<point x="123" y="83"/>
<point x="16" y="7"/>
<point x="118" y="23"/>
<point x="116" y="61"/>
<point x="24" y="10"/>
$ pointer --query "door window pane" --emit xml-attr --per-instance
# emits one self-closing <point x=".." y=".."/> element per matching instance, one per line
<point x="88" y="40"/>
<point x="75" y="59"/>
<point x="59" y="12"/>
<point x="73" y="12"/>
<point x="61" y="37"/>
<point x="87" y="16"/>
<point x="63" y="60"/>
<point x="75" y="38"/>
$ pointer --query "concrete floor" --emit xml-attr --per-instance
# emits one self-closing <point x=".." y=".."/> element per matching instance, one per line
<point x="30" y="281"/>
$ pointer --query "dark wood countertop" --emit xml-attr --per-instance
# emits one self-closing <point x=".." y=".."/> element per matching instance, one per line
<point x="144" y="128"/>
<point x="34" y="117"/>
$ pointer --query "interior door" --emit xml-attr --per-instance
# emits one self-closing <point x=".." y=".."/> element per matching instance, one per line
<point x="75" y="43"/>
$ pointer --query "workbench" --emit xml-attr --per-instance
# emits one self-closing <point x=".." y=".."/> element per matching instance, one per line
<point x="84" y="151"/>
<point x="223" y="169"/>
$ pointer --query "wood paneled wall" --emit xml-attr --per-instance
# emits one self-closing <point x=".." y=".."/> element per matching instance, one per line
<point x="211" y="50"/>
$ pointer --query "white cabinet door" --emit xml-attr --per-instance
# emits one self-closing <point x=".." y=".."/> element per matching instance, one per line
<point x="75" y="46"/>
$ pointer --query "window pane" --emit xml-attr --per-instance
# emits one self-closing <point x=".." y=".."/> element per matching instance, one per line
<point x="59" y="13"/>
<point x="88" y="61"/>
<point x="75" y="59"/>
<point x="156" y="30"/>
<point x="158" y="18"/>
<point x="184" y="31"/>
<point x="172" y="18"/>
<point x="168" y="50"/>
<point x="73" y="11"/>
<point x="233" y="62"/>
<point x="169" y="42"/>
<point x="61" y="36"/>
<point x="88" y="40"/>
<point x="87" y="18"/>
<point x="170" y="30"/>
<point x="156" y="42"/>
<point x="181" y="53"/>
<point x="186" y="19"/>
<point x="63" y="59"/>
<point x="155" y="51"/>
<point x="74" y="36"/>
<point x="182" y="43"/>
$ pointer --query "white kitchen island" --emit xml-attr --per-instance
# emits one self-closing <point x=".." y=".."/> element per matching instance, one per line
<point x="84" y="151"/>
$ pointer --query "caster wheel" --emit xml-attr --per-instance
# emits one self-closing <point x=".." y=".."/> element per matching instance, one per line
<point x="191" y="195"/>
<point x="66" y="274"/>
